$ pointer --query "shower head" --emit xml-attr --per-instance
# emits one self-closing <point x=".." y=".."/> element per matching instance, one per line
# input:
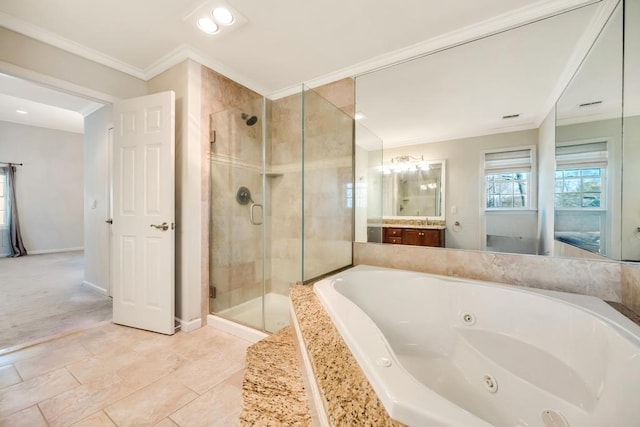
<point x="250" y="121"/>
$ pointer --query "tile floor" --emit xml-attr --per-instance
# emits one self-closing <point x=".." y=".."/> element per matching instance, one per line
<point x="111" y="375"/>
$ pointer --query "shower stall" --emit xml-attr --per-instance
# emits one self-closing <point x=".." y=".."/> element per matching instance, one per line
<point x="281" y="203"/>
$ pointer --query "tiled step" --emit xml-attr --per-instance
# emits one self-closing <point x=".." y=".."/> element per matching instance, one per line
<point x="273" y="392"/>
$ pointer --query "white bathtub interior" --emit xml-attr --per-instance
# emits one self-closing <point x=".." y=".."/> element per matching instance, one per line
<point x="485" y="354"/>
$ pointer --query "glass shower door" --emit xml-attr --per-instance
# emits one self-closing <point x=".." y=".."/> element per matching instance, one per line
<point x="237" y="217"/>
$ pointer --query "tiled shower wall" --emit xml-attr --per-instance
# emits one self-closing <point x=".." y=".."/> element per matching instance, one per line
<point x="237" y="253"/>
<point x="238" y="249"/>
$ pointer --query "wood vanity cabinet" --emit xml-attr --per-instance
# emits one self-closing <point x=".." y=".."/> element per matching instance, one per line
<point x="414" y="236"/>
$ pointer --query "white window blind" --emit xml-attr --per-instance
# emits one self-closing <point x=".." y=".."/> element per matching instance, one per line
<point x="505" y="161"/>
<point x="583" y="154"/>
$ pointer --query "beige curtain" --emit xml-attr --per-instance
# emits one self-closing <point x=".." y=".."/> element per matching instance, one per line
<point x="15" y="237"/>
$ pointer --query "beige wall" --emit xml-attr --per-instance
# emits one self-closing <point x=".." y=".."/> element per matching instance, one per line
<point x="546" y="182"/>
<point x="31" y="59"/>
<point x="49" y="186"/>
<point x="464" y="178"/>
<point x="96" y="189"/>
<point x="184" y="80"/>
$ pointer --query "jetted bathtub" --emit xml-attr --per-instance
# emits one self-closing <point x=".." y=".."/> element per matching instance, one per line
<point x="441" y="351"/>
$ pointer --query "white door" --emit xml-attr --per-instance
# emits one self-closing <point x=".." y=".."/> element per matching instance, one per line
<point x="143" y="213"/>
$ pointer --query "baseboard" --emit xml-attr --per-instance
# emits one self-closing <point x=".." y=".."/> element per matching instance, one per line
<point x="53" y="251"/>
<point x="240" y="331"/>
<point x="96" y="288"/>
<point x="189" y="326"/>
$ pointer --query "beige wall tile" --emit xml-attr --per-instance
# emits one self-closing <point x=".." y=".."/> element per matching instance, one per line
<point x="601" y="279"/>
<point x="631" y="287"/>
<point x="25" y="394"/>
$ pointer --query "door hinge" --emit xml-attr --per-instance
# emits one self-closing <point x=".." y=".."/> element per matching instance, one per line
<point x="212" y="291"/>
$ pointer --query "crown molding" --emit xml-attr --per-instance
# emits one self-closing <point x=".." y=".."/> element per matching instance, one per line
<point x="507" y="21"/>
<point x="469" y="133"/>
<point x="579" y="55"/>
<point x="184" y="52"/>
<point x="500" y="23"/>
<point x="38" y="33"/>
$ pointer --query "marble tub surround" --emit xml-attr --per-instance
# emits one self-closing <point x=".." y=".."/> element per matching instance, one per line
<point x="632" y="315"/>
<point x="414" y="223"/>
<point x="272" y="391"/>
<point x="631" y="286"/>
<point x="601" y="279"/>
<point x="347" y="395"/>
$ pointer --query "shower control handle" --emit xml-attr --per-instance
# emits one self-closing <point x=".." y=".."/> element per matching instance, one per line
<point x="164" y="226"/>
<point x="252" y="218"/>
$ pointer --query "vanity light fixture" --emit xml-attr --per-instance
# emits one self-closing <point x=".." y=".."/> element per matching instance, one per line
<point x="223" y="16"/>
<point x="208" y="26"/>
<point x="407" y="163"/>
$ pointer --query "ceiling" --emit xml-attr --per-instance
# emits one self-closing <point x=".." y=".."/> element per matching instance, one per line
<point x="278" y="45"/>
<point x="467" y="91"/>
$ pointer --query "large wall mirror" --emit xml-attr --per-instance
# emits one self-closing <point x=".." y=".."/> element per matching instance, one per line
<point x="498" y="95"/>
<point x="588" y="153"/>
<point x="413" y="188"/>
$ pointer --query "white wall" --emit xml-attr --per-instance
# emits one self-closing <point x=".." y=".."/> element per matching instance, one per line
<point x="546" y="183"/>
<point x="49" y="186"/>
<point x="96" y="203"/>
<point x="184" y="79"/>
<point x="464" y="178"/>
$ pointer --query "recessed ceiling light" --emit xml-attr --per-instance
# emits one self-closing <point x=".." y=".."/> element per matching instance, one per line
<point x="223" y="16"/>
<point x="359" y="115"/>
<point x="208" y="26"/>
<point x="21" y="112"/>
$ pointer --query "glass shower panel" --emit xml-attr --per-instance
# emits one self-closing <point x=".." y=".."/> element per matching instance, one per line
<point x="328" y="186"/>
<point x="237" y="256"/>
<point x="284" y="190"/>
<point x="368" y="181"/>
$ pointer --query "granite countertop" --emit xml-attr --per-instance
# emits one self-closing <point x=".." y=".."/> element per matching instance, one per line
<point x="414" y="223"/>
<point x="418" y="226"/>
<point x="348" y="397"/>
<point x="273" y="391"/>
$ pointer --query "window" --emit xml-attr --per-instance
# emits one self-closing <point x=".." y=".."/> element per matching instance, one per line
<point x="579" y="188"/>
<point x="3" y="200"/>
<point x="508" y="179"/>
<point x="580" y="194"/>
<point x="581" y="170"/>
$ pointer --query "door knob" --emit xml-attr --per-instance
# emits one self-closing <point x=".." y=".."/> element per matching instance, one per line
<point x="109" y="221"/>
<point x="164" y="226"/>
